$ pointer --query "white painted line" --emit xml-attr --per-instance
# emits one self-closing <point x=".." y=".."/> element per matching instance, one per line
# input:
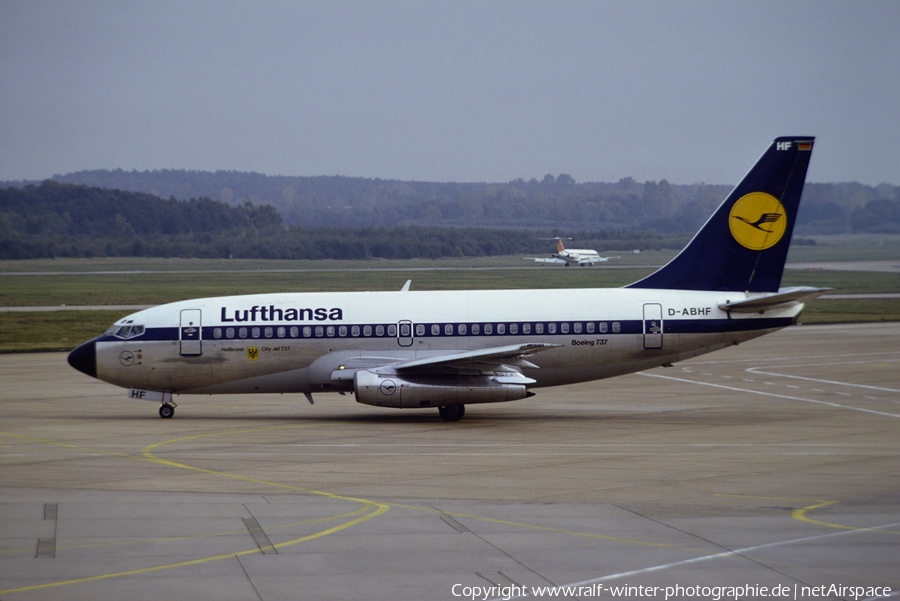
<point x="757" y="371"/>
<point x="780" y="396"/>
<point x="741" y="552"/>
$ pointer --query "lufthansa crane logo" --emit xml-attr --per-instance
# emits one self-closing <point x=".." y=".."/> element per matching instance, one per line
<point x="757" y="221"/>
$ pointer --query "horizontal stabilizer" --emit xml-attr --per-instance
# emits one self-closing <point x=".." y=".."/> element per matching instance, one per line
<point x="783" y="298"/>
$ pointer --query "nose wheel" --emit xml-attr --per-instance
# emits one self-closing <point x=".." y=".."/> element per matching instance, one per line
<point x="166" y="410"/>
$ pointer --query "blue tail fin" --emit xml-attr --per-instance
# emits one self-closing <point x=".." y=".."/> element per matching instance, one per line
<point x="743" y="246"/>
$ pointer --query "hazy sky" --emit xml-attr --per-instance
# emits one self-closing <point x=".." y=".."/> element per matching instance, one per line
<point x="449" y="91"/>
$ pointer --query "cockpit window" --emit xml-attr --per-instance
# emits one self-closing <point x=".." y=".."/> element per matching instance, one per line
<point x="126" y="331"/>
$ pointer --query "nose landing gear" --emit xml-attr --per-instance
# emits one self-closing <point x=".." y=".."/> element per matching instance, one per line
<point x="167" y="410"/>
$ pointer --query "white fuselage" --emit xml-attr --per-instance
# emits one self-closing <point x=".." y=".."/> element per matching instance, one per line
<point x="293" y="342"/>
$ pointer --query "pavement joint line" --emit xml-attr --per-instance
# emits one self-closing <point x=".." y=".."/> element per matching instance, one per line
<point x="498" y="578"/>
<point x="453" y="523"/>
<point x="249" y="579"/>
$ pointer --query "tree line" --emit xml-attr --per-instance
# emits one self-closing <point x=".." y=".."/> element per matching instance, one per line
<point x="66" y="220"/>
<point x="550" y="202"/>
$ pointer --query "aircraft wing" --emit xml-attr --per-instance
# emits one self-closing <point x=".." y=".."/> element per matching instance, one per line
<point x="784" y="297"/>
<point x="540" y="260"/>
<point x="507" y="355"/>
<point x="505" y="359"/>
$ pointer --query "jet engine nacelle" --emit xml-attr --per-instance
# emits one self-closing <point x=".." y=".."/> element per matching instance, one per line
<point x="388" y="390"/>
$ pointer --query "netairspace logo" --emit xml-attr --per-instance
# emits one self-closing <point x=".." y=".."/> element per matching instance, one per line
<point x="712" y="593"/>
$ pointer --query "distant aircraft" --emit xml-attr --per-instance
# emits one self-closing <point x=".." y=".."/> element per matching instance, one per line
<point x="449" y="349"/>
<point x="580" y="256"/>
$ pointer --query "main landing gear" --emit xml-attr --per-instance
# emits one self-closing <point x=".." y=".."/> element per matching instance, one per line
<point x="167" y="410"/>
<point x="452" y="413"/>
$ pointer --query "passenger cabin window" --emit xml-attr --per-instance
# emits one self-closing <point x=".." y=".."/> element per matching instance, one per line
<point x="513" y="328"/>
<point x="295" y="331"/>
<point x="217" y="333"/>
<point x="616" y="327"/>
<point x="461" y="329"/>
<point x="526" y="328"/>
<point x="420" y="329"/>
<point x="590" y="327"/>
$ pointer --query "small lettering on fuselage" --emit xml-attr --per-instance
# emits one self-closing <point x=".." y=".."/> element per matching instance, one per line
<point x="594" y="342"/>
<point x="273" y="313"/>
<point x="690" y="311"/>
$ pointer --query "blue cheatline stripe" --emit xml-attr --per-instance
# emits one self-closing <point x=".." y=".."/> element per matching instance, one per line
<point x="531" y="329"/>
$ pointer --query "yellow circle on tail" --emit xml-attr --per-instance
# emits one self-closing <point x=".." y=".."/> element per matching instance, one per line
<point x="757" y="221"/>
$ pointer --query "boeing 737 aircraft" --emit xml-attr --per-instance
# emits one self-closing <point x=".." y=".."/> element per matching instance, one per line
<point x="413" y="350"/>
<point x="579" y="256"/>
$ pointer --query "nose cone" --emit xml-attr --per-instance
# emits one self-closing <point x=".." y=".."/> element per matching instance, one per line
<point x="84" y="359"/>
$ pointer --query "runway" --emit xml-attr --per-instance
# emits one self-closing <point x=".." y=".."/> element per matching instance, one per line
<point x="774" y="463"/>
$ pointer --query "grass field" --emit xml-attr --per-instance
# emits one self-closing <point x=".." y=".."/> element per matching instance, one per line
<point x="142" y="281"/>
